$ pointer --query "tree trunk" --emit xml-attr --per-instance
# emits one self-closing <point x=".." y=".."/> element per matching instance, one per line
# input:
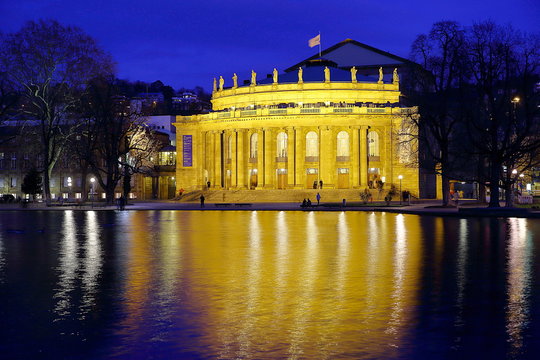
<point x="494" y="185"/>
<point x="445" y="188"/>
<point x="509" y="195"/>
<point x="84" y="190"/>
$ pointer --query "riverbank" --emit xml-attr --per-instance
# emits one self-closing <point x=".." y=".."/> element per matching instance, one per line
<point x="467" y="208"/>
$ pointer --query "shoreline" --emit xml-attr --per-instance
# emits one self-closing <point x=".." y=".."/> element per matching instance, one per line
<point x="428" y="207"/>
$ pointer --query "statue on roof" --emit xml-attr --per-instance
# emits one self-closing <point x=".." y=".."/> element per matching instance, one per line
<point x="326" y="74"/>
<point x="353" y="74"/>
<point x="253" y="78"/>
<point x="221" y="83"/>
<point x="235" y="81"/>
<point x="300" y="75"/>
<point x="275" y="76"/>
<point x="380" y="75"/>
<point x="215" y="85"/>
<point x="395" y="77"/>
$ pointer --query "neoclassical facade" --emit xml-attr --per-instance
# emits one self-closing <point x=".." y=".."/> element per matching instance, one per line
<point x="317" y="125"/>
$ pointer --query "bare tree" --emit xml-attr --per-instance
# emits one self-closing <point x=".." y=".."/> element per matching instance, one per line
<point x="506" y="123"/>
<point x="116" y="143"/>
<point x="50" y="65"/>
<point x="439" y="95"/>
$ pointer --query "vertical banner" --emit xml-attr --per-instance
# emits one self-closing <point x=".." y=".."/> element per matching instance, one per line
<point x="187" y="150"/>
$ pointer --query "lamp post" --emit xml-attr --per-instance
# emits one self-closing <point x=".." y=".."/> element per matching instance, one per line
<point x="514" y="173"/>
<point x="400" y="177"/>
<point x="69" y="186"/>
<point x="92" y="181"/>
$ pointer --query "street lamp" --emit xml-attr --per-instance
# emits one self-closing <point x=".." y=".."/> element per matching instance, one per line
<point x="92" y="181"/>
<point x="400" y="177"/>
<point x="69" y="186"/>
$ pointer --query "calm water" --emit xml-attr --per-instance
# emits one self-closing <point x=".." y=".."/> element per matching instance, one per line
<point x="267" y="285"/>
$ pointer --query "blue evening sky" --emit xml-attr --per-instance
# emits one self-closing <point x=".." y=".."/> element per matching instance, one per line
<point x="186" y="43"/>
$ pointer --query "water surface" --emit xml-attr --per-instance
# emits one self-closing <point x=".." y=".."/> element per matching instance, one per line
<point x="267" y="285"/>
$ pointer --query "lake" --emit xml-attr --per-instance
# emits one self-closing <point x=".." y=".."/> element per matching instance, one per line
<point x="267" y="285"/>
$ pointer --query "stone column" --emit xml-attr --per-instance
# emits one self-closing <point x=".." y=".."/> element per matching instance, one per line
<point x="241" y="159"/>
<point x="218" y="159"/>
<point x="355" y="157"/>
<point x="300" y="172"/>
<point x="291" y="157"/>
<point x="234" y="154"/>
<point x="260" y="159"/>
<point x="363" y="156"/>
<point x="327" y="157"/>
<point x="269" y="157"/>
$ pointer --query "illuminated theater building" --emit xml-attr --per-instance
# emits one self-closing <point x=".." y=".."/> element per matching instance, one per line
<point x="334" y="121"/>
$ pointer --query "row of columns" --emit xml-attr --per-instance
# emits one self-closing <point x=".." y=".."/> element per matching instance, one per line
<point x="223" y="172"/>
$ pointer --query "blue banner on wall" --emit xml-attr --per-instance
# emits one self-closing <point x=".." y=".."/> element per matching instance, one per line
<point x="187" y="150"/>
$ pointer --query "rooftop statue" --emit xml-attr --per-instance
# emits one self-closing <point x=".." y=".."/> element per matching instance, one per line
<point x="300" y="75"/>
<point x="215" y="85"/>
<point x="353" y="74"/>
<point x="221" y="82"/>
<point x="235" y="81"/>
<point x="275" y="75"/>
<point x="380" y="75"/>
<point x="253" y="78"/>
<point x="326" y="74"/>
<point x="395" y="77"/>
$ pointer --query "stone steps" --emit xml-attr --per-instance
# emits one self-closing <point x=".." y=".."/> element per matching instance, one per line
<point x="288" y="195"/>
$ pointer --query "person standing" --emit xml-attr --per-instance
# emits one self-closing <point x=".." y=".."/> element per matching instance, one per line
<point x="202" y="200"/>
<point x="318" y="199"/>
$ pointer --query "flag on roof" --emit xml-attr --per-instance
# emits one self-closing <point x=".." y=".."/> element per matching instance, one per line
<point x="315" y="41"/>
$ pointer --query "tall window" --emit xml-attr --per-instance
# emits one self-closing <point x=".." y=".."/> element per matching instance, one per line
<point x="343" y="143"/>
<point x="312" y="144"/>
<point x="282" y="144"/>
<point x="229" y="148"/>
<point x="373" y="143"/>
<point x="253" y="143"/>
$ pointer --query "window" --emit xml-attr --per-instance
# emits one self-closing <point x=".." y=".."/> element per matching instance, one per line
<point x="373" y="143"/>
<point x="13" y="182"/>
<point x="13" y="161"/>
<point x="253" y="143"/>
<point x="312" y="144"/>
<point x="343" y="143"/>
<point x="282" y="145"/>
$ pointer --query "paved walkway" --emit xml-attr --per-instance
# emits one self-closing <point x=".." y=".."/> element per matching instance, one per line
<point x="427" y="207"/>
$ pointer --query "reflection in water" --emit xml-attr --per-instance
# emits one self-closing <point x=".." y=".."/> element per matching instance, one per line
<point x="519" y="282"/>
<point x="271" y="285"/>
<point x="1" y="259"/>
<point x="69" y="264"/>
<point x="461" y="272"/>
<point x="400" y="254"/>
<point x="92" y="262"/>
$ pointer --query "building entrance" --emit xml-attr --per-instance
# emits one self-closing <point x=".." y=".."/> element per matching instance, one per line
<point x="312" y="178"/>
<point x="281" y="178"/>
<point x="343" y="178"/>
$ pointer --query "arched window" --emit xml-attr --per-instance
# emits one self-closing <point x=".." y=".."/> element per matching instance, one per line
<point x="312" y="144"/>
<point x="343" y="143"/>
<point x="373" y="143"/>
<point x="229" y="148"/>
<point x="282" y="144"/>
<point x="254" y="141"/>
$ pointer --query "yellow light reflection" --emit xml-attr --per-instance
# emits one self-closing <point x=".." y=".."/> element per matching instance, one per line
<point x="68" y="266"/>
<point x="461" y="270"/>
<point x="520" y="259"/>
<point x="92" y="262"/>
